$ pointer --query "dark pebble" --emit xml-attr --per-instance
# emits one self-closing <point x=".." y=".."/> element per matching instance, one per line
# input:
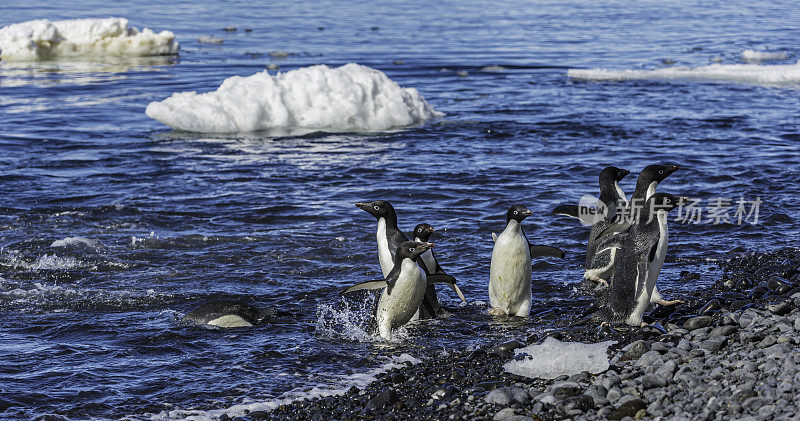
<point x="628" y="409"/>
<point x="711" y="307"/>
<point x="505" y="347"/>
<point x="386" y="398"/>
<point x="582" y="403"/>
<point x="697" y="322"/>
<point x="782" y="308"/>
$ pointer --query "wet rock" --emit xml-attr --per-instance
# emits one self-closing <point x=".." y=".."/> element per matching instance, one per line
<point x="713" y="344"/>
<point x="259" y="415"/>
<point x="565" y="390"/>
<point x="781" y="308"/>
<point x="649" y="359"/>
<point x="660" y="347"/>
<point x="504" y="414"/>
<point x="507" y="395"/>
<point x="581" y="403"/>
<point x="726" y="330"/>
<point x="635" y="350"/>
<point x="667" y="370"/>
<point x="398" y="378"/>
<point x="628" y="409"/>
<point x="386" y="398"/>
<point x="698" y="322"/>
<point x="710" y="307"/>
<point x="506" y="346"/>
<point x="444" y="392"/>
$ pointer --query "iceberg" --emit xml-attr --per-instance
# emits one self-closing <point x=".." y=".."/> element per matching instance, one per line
<point x="784" y="74"/>
<point x="553" y="358"/>
<point x="43" y="39"/>
<point x="350" y="98"/>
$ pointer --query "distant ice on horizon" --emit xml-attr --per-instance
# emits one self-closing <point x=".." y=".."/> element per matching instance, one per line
<point x="350" y="98"/>
<point x="778" y="74"/>
<point x="43" y="39"/>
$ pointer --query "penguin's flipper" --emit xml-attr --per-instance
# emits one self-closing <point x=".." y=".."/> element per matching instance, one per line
<point x="441" y="278"/>
<point x="615" y="228"/>
<point x="458" y="292"/>
<point x="585" y="214"/>
<point x="494" y="237"/>
<point x="546" y="251"/>
<point x="376" y="284"/>
<point x="653" y="250"/>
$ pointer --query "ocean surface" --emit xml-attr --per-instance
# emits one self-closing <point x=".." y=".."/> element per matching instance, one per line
<point x="113" y="226"/>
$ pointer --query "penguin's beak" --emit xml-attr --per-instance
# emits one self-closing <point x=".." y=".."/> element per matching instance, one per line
<point x="528" y="212"/>
<point x="364" y="206"/>
<point x="623" y="174"/>
<point x="427" y="246"/>
<point x="672" y="168"/>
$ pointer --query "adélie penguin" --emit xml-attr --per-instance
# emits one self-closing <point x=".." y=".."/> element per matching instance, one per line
<point x="510" y="269"/>
<point x="422" y="233"/>
<point x="602" y="253"/>
<point x="225" y="313"/>
<point x="389" y="238"/>
<point x="639" y="262"/>
<point x="403" y="288"/>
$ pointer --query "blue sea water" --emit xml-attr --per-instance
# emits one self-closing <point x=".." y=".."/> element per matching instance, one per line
<point x="112" y="226"/>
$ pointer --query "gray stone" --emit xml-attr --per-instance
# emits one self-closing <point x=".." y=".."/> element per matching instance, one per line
<point x="667" y="370"/>
<point x="652" y="381"/>
<point x="743" y="394"/>
<point x="563" y="390"/>
<point x="781" y="308"/>
<point x="610" y="380"/>
<point x="714" y="344"/>
<point x="506" y="395"/>
<point x="635" y="350"/>
<point x="685" y="344"/>
<point x="753" y="403"/>
<point x="697" y="322"/>
<point x="649" y="358"/>
<point x="777" y="350"/>
<point x="659" y="347"/>
<point x="506" y="346"/>
<point x="504" y="414"/>
<point x="582" y="403"/>
<point x="723" y="331"/>
<point x="613" y="394"/>
<point x="628" y="409"/>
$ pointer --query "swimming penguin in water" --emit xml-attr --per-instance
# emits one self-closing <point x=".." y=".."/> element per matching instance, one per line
<point x="510" y="269"/>
<point x="422" y="233"/>
<point x="403" y="288"/>
<point x="640" y="261"/>
<point x="222" y="313"/>
<point x="603" y="252"/>
<point x="389" y="239"/>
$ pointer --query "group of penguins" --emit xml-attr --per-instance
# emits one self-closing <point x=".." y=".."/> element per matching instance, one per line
<point x="626" y="249"/>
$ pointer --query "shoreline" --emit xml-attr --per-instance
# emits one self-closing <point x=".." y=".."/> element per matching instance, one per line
<point x="728" y="352"/>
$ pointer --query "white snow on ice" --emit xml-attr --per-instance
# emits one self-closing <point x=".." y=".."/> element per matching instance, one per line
<point x="359" y="380"/>
<point x="756" y="56"/>
<point x="553" y="358"/>
<point x="43" y="39"/>
<point x="784" y="74"/>
<point x="350" y="98"/>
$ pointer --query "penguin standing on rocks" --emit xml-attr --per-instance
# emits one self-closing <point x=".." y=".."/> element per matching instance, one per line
<point x="510" y="269"/>
<point x="389" y="239"/>
<point x="602" y="254"/>
<point x="430" y="264"/>
<point x="640" y="261"/>
<point x="403" y="288"/>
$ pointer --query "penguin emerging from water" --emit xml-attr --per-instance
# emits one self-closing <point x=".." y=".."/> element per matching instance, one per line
<point x="222" y="313"/>
<point x="430" y="264"/>
<point x="403" y="288"/>
<point x="510" y="269"/>
<point x="610" y="204"/>
<point x="639" y="262"/>
<point x="389" y="239"/>
<point x="603" y="252"/>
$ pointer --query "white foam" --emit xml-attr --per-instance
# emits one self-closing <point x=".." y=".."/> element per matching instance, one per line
<point x="752" y="55"/>
<point x="553" y="358"/>
<point x="43" y="39"/>
<point x="75" y="241"/>
<point x="350" y="98"/>
<point x="748" y="73"/>
<point x="359" y="380"/>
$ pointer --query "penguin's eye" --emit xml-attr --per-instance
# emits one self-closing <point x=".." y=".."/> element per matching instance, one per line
<point x="661" y="171"/>
<point x="411" y="249"/>
<point x="516" y="212"/>
<point x="376" y="207"/>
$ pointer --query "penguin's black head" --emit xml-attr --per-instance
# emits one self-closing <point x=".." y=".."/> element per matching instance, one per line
<point x="656" y="173"/>
<point x="423" y="231"/>
<point x="412" y="249"/>
<point x="518" y="213"/>
<point x="377" y="208"/>
<point x="666" y="201"/>
<point x="613" y="174"/>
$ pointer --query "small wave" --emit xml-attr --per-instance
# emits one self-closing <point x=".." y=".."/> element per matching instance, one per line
<point x="76" y="241"/>
<point x="349" y="320"/>
<point x="747" y="73"/>
<point x="55" y="297"/>
<point x="358" y="380"/>
<point x="43" y="39"/>
<point x="756" y="56"/>
<point x="350" y="98"/>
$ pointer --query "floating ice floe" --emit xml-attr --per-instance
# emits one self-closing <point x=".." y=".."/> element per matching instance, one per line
<point x="553" y="358"/>
<point x="749" y="73"/>
<point x="752" y="55"/>
<point x="350" y="98"/>
<point x="43" y="39"/>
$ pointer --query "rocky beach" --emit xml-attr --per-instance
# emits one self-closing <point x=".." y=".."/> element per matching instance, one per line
<point x="729" y="352"/>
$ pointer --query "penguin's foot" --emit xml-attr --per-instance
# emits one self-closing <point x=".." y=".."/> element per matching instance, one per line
<point x="602" y="283"/>
<point x="496" y="312"/>
<point x="663" y="302"/>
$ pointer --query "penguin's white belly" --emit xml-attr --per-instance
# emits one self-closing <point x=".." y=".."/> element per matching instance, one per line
<point x="397" y="308"/>
<point x="384" y="255"/>
<point x="229" y="320"/>
<point x="429" y="261"/>
<point x="647" y="282"/>
<point x="510" y="275"/>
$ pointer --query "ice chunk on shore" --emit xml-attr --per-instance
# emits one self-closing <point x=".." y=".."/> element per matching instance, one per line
<point x="317" y="98"/>
<point x="43" y="39"/>
<point x="553" y="358"/>
<point x="749" y="73"/>
<point x="752" y="55"/>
